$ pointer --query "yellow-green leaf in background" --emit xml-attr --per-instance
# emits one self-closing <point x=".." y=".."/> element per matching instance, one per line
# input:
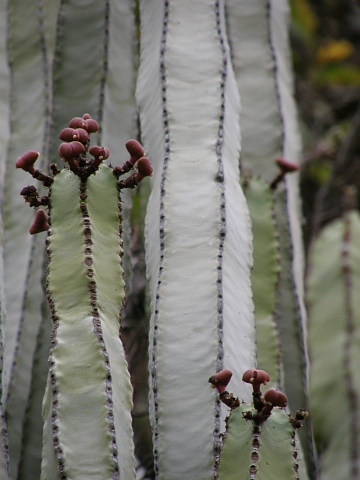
<point x="334" y="51"/>
<point x="303" y="18"/>
<point x="338" y="75"/>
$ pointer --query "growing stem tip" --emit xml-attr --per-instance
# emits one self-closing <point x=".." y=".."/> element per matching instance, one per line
<point x="73" y="151"/>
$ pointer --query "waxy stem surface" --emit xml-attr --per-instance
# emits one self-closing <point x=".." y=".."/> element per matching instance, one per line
<point x="88" y="398"/>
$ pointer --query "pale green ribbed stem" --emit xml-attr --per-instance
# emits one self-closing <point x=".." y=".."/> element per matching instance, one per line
<point x="265" y="277"/>
<point x="88" y="400"/>
<point x="260" y="452"/>
<point x="334" y="316"/>
<point x="198" y="235"/>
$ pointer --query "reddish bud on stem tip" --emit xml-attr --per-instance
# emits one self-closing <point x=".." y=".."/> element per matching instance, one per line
<point x="71" y="134"/>
<point x="135" y="149"/>
<point x="30" y="189"/>
<point x="256" y="378"/>
<point x="65" y="151"/>
<point x="40" y="223"/>
<point x="286" y="166"/>
<point x="220" y="380"/>
<point x="68" y="134"/>
<point x="77" y="122"/>
<point x="275" y="398"/>
<point x="69" y="150"/>
<point x="91" y="126"/>
<point x="99" y="154"/>
<point x="86" y="122"/>
<point x="106" y="153"/>
<point x="77" y="148"/>
<point x="83" y="135"/>
<point x="26" y="161"/>
<point x="144" y="169"/>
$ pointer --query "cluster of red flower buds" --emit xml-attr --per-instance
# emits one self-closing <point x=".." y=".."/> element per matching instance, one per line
<point x="263" y="404"/>
<point x="76" y="140"/>
<point x="138" y="158"/>
<point x="272" y="397"/>
<point x="73" y="150"/>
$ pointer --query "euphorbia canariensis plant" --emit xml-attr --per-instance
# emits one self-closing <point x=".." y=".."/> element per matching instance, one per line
<point x="264" y="405"/>
<point x="259" y="437"/>
<point x="87" y="403"/>
<point x="278" y="334"/>
<point x="198" y="229"/>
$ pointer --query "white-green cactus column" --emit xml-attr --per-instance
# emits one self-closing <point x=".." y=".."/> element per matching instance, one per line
<point x="334" y="322"/>
<point x="258" y="34"/>
<point x="93" y="71"/>
<point x="23" y="255"/>
<point x="87" y="402"/>
<point x="199" y="251"/>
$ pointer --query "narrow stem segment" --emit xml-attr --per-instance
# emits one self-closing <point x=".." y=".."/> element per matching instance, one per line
<point x="88" y="400"/>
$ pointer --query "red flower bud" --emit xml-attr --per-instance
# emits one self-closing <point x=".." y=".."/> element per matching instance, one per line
<point x="65" y="151"/>
<point x="86" y="116"/>
<point x="91" y="126"/>
<point x="82" y="135"/>
<point x="145" y="169"/>
<point x="30" y="189"/>
<point x="100" y="154"/>
<point x="69" y="150"/>
<point x="27" y="160"/>
<point x="275" y="398"/>
<point x="256" y="378"/>
<point x="286" y="166"/>
<point x="77" y="122"/>
<point x="68" y="134"/>
<point x="40" y="223"/>
<point x="220" y="380"/>
<point x="77" y="148"/>
<point x="74" y="134"/>
<point x="135" y="149"/>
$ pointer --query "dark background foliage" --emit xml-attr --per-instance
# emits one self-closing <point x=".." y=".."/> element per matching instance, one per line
<point x="325" y="36"/>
